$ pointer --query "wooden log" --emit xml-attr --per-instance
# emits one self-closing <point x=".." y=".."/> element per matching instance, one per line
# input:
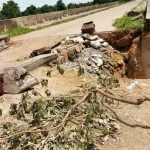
<point x="33" y="63"/>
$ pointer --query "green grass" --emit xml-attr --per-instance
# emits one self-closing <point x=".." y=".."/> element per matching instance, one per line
<point x="126" y="23"/>
<point x="17" y="31"/>
<point x="23" y="30"/>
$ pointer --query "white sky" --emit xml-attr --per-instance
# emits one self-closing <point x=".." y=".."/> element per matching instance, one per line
<point x="25" y="3"/>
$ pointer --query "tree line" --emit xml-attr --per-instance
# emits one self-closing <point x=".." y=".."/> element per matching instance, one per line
<point x="12" y="10"/>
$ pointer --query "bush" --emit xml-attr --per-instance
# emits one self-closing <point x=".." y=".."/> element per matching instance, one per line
<point x="126" y="23"/>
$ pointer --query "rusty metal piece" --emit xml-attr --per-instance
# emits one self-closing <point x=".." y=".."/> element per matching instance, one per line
<point x="88" y="27"/>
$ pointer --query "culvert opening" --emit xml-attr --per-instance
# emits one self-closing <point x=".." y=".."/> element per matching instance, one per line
<point x="129" y="56"/>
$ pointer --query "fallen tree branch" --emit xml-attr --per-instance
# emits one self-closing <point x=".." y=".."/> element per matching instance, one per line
<point x="135" y="102"/>
<point x="87" y="96"/>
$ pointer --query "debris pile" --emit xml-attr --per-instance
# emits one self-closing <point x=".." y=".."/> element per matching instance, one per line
<point x="86" y="54"/>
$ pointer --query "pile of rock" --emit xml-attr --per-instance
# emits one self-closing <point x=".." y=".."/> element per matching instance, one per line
<point x="85" y="51"/>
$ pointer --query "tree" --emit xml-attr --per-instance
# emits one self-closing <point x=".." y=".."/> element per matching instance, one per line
<point x="10" y="10"/>
<point x="73" y="5"/>
<point x="60" y="5"/>
<point x="2" y="17"/>
<point x="31" y="10"/>
<point x="46" y="9"/>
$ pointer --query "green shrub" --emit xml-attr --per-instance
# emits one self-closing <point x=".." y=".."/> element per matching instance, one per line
<point x="126" y="23"/>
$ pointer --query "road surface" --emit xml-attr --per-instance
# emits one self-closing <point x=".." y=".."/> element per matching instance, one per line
<point x="103" y="21"/>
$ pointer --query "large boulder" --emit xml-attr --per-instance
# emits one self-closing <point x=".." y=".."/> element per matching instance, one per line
<point x="17" y="80"/>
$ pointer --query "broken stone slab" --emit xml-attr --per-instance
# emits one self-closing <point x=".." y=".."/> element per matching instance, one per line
<point x="44" y="50"/>
<point x="95" y="44"/>
<point x="6" y="38"/>
<point x="17" y="80"/>
<point x="78" y="40"/>
<point x="34" y="62"/>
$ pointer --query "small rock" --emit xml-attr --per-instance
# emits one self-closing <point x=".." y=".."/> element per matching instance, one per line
<point x="105" y="44"/>
<point x="100" y="40"/>
<point x="96" y="55"/>
<point x="78" y="47"/>
<point x="78" y="40"/>
<point x="63" y="42"/>
<point x="94" y="38"/>
<point x="95" y="44"/>
<point x="106" y="138"/>
<point x="65" y="54"/>
<point x="67" y="38"/>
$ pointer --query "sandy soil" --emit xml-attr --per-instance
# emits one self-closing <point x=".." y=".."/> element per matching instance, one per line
<point x="21" y="49"/>
<point x="134" y="134"/>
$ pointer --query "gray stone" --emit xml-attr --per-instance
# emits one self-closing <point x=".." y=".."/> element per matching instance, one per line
<point x="16" y="80"/>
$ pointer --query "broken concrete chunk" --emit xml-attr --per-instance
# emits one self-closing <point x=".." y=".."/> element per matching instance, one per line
<point x="95" y="44"/>
<point x="105" y="44"/>
<point x="79" y="47"/>
<point x="78" y="40"/>
<point x="64" y="53"/>
<point x="100" y="40"/>
<point x="94" y="38"/>
<point x="63" y="42"/>
<point x="88" y="27"/>
<point x="67" y="38"/>
<point x="16" y="80"/>
<point x="98" y="61"/>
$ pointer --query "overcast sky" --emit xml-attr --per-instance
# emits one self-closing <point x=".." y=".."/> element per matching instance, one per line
<point x="25" y="3"/>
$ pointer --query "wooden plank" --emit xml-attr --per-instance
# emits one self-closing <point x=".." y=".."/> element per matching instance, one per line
<point x="33" y="63"/>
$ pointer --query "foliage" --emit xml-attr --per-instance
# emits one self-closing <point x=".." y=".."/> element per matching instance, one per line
<point x="73" y="5"/>
<point x="31" y="10"/>
<point x="103" y="1"/>
<point x="126" y="23"/>
<point x="46" y="9"/>
<point x="60" y="5"/>
<point x="10" y="10"/>
<point x="2" y="16"/>
<point x="17" y="31"/>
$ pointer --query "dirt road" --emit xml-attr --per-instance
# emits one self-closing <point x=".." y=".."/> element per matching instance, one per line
<point x="103" y="21"/>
